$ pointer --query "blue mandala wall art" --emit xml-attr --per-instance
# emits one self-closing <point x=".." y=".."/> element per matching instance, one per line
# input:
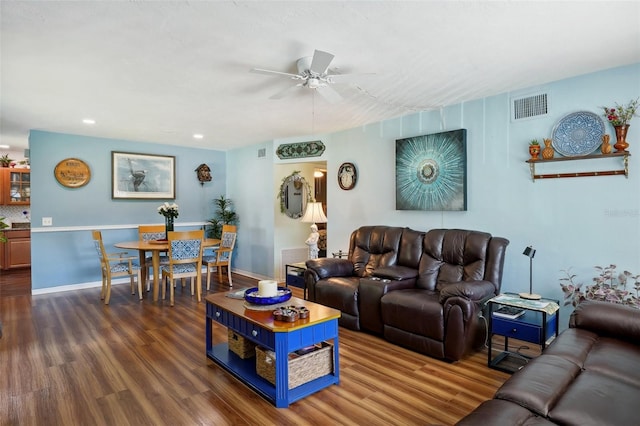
<point x="431" y="172"/>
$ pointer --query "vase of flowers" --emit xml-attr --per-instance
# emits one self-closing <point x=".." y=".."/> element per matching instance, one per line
<point x="170" y="212"/>
<point x="619" y="118"/>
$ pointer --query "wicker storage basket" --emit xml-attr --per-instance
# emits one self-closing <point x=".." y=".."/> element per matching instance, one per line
<point x="302" y="368"/>
<point x="242" y="347"/>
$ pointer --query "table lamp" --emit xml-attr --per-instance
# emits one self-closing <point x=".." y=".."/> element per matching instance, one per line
<point x="313" y="214"/>
<point x="530" y="252"/>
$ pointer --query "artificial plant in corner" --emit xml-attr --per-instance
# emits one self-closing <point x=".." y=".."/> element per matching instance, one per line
<point x="608" y="286"/>
<point x="224" y="216"/>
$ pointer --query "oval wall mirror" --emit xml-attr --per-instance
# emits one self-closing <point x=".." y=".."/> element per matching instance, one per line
<point x="294" y="195"/>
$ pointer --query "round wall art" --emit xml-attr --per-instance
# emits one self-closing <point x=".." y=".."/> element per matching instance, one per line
<point x="431" y="172"/>
<point x="72" y="173"/>
<point x="347" y="176"/>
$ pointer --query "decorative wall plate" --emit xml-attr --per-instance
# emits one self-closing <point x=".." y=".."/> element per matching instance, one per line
<point x="72" y="173"/>
<point x="577" y="134"/>
<point x="347" y="176"/>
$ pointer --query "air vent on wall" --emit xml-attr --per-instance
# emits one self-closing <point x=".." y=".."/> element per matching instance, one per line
<point x="262" y="152"/>
<point x="529" y="107"/>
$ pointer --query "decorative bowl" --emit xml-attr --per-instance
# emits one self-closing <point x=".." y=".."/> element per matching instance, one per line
<point x="252" y="296"/>
<point x="290" y="313"/>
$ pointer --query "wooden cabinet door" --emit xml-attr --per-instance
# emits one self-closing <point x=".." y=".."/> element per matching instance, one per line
<point x="16" y="252"/>
<point x="17" y="186"/>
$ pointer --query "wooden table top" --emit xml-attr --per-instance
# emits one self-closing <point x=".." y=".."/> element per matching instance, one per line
<point x="317" y="313"/>
<point x="158" y="245"/>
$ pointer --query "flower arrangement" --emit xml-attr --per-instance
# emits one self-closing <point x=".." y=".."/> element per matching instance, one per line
<point x="168" y="210"/>
<point x="606" y="287"/>
<point x="621" y="115"/>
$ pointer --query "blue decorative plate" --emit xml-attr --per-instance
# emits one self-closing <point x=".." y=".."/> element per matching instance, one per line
<point x="577" y="134"/>
<point x="251" y="296"/>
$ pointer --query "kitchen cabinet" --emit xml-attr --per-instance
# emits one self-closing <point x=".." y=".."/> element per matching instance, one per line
<point x="15" y="186"/>
<point x="16" y="252"/>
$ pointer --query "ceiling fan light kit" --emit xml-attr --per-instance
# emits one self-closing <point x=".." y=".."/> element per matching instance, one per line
<point x="313" y="74"/>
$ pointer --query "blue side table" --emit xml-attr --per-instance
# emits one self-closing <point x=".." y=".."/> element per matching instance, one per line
<point x="538" y="325"/>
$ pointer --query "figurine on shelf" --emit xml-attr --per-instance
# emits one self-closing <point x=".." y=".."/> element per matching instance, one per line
<point x="534" y="149"/>
<point x="606" y="146"/>
<point x="547" y="152"/>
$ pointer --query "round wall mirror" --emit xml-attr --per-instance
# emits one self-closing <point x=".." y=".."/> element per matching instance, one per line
<point x="294" y="194"/>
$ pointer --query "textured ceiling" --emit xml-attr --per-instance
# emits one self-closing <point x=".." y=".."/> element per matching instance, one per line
<point x="162" y="71"/>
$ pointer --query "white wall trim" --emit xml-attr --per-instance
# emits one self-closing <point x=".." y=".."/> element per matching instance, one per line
<point x="103" y="227"/>
<point x="74" y="287"/>
<point x="97" y="284"/>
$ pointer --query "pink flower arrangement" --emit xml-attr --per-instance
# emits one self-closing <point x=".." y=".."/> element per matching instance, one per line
<point x="621" y="115"/>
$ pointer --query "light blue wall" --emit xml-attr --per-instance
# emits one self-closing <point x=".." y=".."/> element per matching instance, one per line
<point x="64" y="254"/>
<point x="575" y="222"/>
<point x="251" y="187"/>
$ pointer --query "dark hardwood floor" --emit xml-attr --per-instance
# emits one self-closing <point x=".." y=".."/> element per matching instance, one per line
<point x="67" y="359"/>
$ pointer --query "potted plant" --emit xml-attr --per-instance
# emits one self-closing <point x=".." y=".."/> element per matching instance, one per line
<point x="5" y="160"/>
<point x="534" y="149"/>
<point x="608" y="286"/>
<point x="224" y="216"/>
<point x="3" y="225"/>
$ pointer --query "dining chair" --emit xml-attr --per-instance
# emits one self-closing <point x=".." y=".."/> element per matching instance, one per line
<point x="221" y="258"/>
<point x="148" y="233"/>
<point x="185" y="261"/>
<point x="117" y="264"/>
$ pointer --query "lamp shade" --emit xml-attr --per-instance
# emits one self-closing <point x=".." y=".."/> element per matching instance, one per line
<point x="314" y="214"/>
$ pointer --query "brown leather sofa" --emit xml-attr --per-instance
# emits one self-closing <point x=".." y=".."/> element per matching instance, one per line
<point x="421" y="290"/>
<point x="590" y="375"/>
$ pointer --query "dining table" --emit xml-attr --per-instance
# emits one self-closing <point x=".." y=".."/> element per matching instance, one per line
<point x="156" y="247"/>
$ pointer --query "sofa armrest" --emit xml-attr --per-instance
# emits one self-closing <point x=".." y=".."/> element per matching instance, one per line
<point x="477" y="291"/>
<point x="395" y="273"/>
<point x="607" y="319"/>
<point x="330" y="267"/>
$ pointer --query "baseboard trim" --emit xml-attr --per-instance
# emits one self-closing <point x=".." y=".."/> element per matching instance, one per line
<point x="98" y="284"/>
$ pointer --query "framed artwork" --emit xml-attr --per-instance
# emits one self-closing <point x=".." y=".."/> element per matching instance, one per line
<point x="347" y="176"/>
<point x="143" y="176"/>
<point x="431" y="172"/>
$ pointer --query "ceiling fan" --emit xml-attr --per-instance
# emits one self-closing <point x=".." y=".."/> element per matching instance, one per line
<point x="312" y="74"/>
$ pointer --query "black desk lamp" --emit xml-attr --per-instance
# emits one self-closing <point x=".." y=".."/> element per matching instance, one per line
<point x="530" y="252"/>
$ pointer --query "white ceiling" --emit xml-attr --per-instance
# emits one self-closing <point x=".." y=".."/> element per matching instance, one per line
<point x="162" y="71"/>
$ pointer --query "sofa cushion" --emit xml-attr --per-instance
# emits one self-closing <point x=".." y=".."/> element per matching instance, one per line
<point x="595" y="399"/>
<point x="607" y="320"/>
<point x="540" y="384"/>
<point x="397" y="273"/>
<point x="452" y="255"/>
<point x="414" y="311"/>
<point x="616" y="359"/>
<point x="339" y="293"/>
<point x="499" y="412"/>
<point x="372" y="247"/>
<point x="410" y="249"/>
<point x="575" y="347"/>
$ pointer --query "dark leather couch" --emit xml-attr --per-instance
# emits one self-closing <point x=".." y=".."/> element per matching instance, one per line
<point x="590" y="375"/>
<point x="421" y="290"/>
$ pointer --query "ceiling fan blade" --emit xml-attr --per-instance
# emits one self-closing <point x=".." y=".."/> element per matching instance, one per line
<point x="320" y="62"/>
<point x="269" y="72"/>
<point x="281" y="94"/>
<point x="346" y="78"/>
<point x="329" y="94"/>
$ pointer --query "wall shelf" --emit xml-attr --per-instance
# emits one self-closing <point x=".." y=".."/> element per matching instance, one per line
<point x="625" y="159"/>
